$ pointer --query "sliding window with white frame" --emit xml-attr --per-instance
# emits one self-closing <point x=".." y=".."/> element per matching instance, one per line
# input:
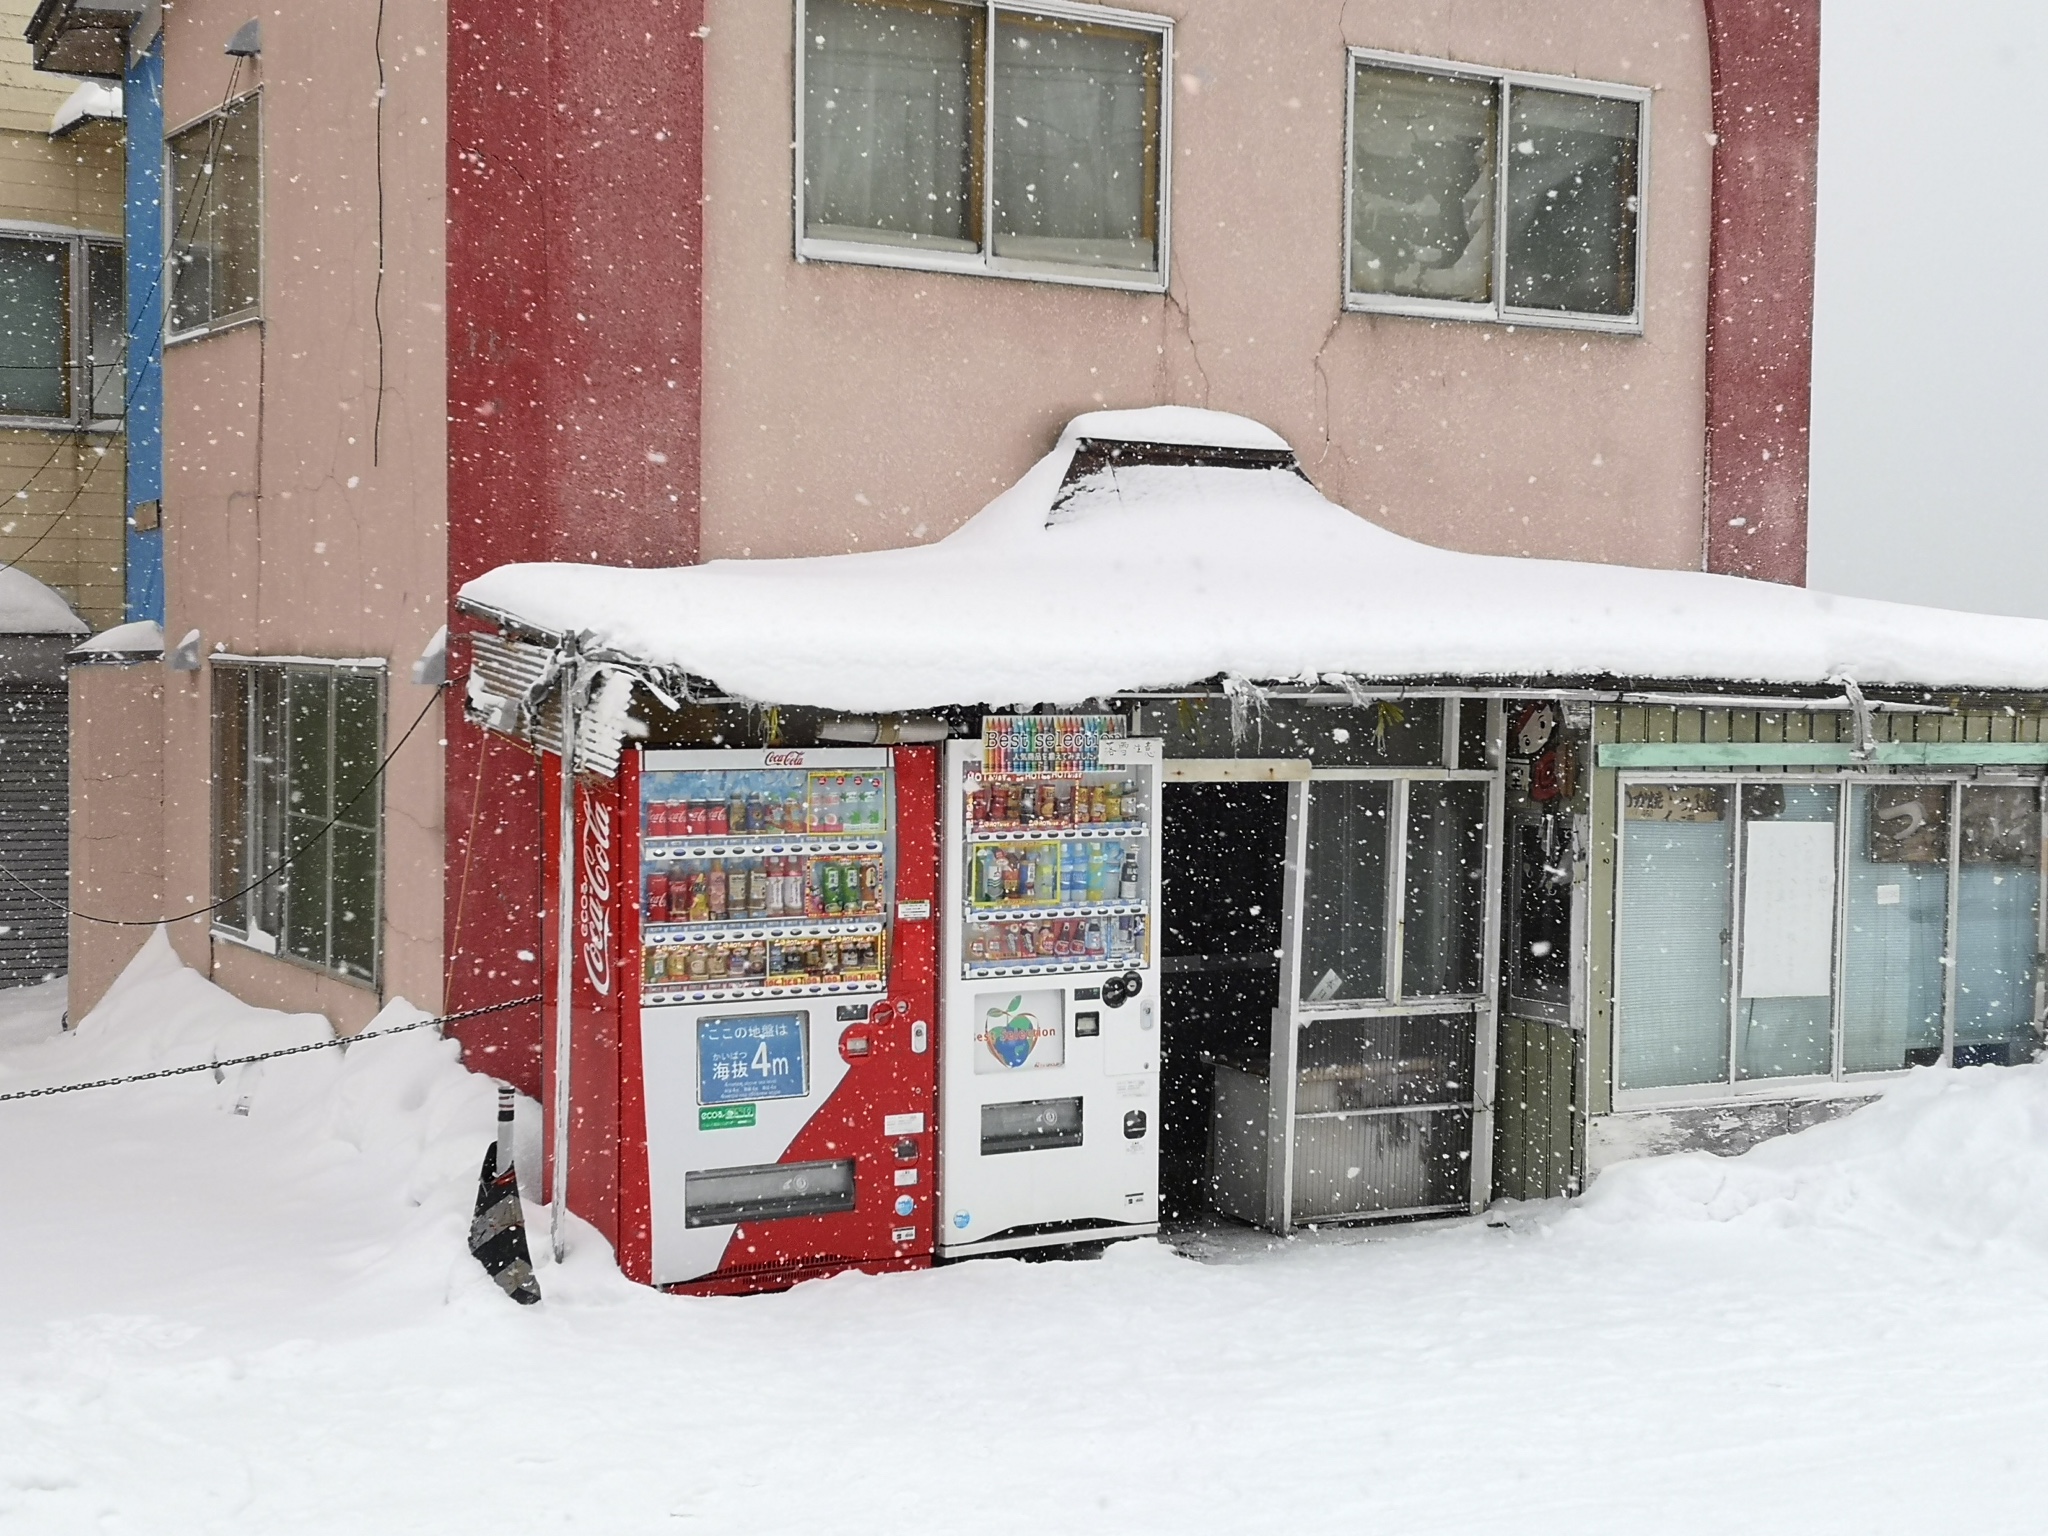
<point x="1486" y="194"/>
<point x="1025" y="141"/>
<point x="1774" y="931"/>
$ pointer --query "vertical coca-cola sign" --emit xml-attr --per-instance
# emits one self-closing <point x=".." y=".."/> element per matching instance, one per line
<point x="594" y="888"/>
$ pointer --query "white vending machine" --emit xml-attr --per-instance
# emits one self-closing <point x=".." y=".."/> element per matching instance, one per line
<point x="1049" y="1060"/>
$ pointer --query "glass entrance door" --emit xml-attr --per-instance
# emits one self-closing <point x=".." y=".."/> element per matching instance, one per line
<point x="1383" y="1039"/>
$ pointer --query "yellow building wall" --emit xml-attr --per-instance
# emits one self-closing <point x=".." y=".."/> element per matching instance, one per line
<point x="66" y="531"/>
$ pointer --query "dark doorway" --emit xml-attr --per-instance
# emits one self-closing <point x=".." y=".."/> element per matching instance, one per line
<point x="1223" y="851"/>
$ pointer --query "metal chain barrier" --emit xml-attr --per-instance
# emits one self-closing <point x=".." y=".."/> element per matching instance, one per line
<point x="289" y="1050"/>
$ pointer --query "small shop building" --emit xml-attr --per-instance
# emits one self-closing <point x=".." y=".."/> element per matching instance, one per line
<point x="1476" y="873"/>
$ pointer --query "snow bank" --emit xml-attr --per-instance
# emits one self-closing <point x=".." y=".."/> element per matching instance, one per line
<point x="1952" y="1158"/>
<point x="27" y="607"/>
<point x="1169" y="576"/>
<point x="283" y="1176"/>
<point x="268" y="1321"/>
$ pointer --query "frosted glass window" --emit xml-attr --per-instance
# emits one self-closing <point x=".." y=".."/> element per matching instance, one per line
<point x="1998" y="898"/>
<point x="924" y="119"/>
<point x="1572" y="202"/>
<point x="1897" y="926"/>
<point x="1344" y="932"/>
<point x="889" y="122"/>
<point x="1442" y="919"/>
<point x="1422" y="185"/>
<point x="1477" y="196"/>
<point x="1674" y="950"/>
<point x="1784" y="1025"/>
<point x="1076" y="140"/>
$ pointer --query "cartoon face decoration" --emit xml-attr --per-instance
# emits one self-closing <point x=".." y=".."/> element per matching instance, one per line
<point x="1534" y="728"/>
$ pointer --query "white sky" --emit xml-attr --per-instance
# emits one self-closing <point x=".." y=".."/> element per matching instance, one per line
<point x="1930" y="401"/>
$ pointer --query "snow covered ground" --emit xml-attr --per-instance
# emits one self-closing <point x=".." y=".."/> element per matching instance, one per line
<point x="267" y="1321"/>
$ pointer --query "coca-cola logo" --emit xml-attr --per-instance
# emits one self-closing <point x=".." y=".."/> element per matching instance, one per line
<point x="594" y="894"/>
<point x="783" y="759"/>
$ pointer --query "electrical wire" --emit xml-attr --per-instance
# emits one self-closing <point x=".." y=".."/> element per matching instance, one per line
<point x="215" y="1066"/>
<point x="263" y="879"/>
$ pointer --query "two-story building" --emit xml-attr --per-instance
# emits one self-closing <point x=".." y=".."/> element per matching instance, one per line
<point x="656" y="282"/>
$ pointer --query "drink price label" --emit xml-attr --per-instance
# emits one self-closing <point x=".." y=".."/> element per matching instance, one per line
<point x="1125" y="751"/>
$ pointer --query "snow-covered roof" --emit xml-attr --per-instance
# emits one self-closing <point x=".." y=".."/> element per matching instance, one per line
<point x="1164" y="575"/>
<point x="27" y="607"/>
<point x="94" y="101"/>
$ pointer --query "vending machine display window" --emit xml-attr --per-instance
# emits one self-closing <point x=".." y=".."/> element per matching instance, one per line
<point x="1058" y="872"/>
<point x="763" y="882"/>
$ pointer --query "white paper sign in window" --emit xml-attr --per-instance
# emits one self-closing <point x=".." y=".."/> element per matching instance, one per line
<point x="1788" y="909"/>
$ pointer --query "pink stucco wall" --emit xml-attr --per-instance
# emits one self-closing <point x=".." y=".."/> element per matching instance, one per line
<point x="289" y="530"/>
<point x="850" y="407"/>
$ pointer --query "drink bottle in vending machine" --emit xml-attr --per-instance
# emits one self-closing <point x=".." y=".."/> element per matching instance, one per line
<point x="753" y="1067"/>
<point x="1049" y="1130"/>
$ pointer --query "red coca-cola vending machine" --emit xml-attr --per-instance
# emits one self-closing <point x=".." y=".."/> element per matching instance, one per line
<point x="752" y="1057"/>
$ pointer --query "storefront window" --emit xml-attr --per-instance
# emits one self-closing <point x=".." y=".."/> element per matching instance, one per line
<point x="1897" y="927"/>
<point x="1998" y="898"/>
<point x="1784" y="1025"/>
<point x="1675" y="951"/>
<point x="1836" y="948"/>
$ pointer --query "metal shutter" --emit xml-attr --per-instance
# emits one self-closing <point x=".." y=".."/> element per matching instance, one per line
<point x="35" y="830"/>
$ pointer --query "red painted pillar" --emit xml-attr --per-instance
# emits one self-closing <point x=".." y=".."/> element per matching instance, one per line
<point x="1766" y="60"/>
<point x="575" y="241"/>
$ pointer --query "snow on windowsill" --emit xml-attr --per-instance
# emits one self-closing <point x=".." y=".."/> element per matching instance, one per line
<point x="92" y="102"/>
